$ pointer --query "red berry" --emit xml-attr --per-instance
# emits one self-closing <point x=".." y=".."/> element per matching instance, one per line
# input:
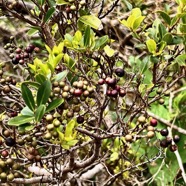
<point x="4" y="153"/>
<point x="112" y="82"/>
<point x="153" y="122"/>
<point x="122" y="92"/>
<point x="101" y="81"/>
<point x="114" y="93"/>
<point x="78" y="92"/>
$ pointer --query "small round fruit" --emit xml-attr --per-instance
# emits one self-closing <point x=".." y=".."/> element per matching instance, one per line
<point x="48" y="136"/>
<point x="114" y="93"/>
<point x="6" y="89"/>
<point x="161" y="101"/>
<point x="70" y="114"/>
<point x="86" y="93"/>
<point x="72" y="7"/>
<point x="10" y="141"/>
<point x="119" y="72"/>
<point x="50" y="126"/>
<point x="159" y="91"/>
<point x="80" y="119"/>
<point x="75" y="84"/>
<point x="163" y="143"/>
<point x="164" y="132"/>
<point x="169" y="140"/>
<point x="76" y="108"/>
<point x="112" y="82"/>
<point x="2" y="164"/>
<point x="122" y="92"/>
<point x="173" y="148"/>
<point x="65" y="94"/>
<point x="150" y="134"/>
<point x="101" y="81"/>
<point x="30" y="157"/>
<point x="7" y="133"/>
<point x="56" y="90"/>
<point x="176" y="138"/>
<point x="80" y="84"/>
<point x="3" y="176"/>
<point x="16" y="166"/>
<point x="10" y="177"/>
<point x="61" y="84"/>
<point x="49" y="117"/>
<point x="78" y="92"/>
<point x="66" y="88"/>
<point x="142" y="119"/>
<point x="57" y="123"/>
<point x="128" y="138"/>
<point x="150" y="128"/>
<point x="38" y="158"/>
<point x="4" y="153"/>
<point x="9" y="161"/>
<point x="109" y="92"/>
<point x="153" y="122"/>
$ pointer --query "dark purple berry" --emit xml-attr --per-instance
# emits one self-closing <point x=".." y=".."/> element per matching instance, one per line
<point x="163" y="143"/>
<point x="119" y="72"/>
<point x="10" y="142"/>
<point x="173" y="148"/>
<point x="80" y="119"/>
<point x="176" y="138"/>
<point x="122" y="92"/>
<point x="15" y="61"/>
<point x="101" y="81"/>
<point x="169" y="140"/>
<point x="112" y="82"/>
<point x="164" y="132"/>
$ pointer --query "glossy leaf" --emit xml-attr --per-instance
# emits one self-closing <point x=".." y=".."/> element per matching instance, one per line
<point x="43" y="93"/>
<point x="87" y="36"/>
<point x="181" y="60"/>
<point x="26" y="127"/>
<point x="27" y="111"/>
<point x="28" y="97"/>
<point x="69" y="128"/>
<point x="151" y="45"/>
<point x="91" y="20"/>
<point x="60" y="76"/>
<point x="165" y="17"/>
<point x="49" y="14"/>
<point x="40" y="78"/>
<point x="101" y="42"/>
<point x="19" y="120"/>
<point x="54" y="104"/>
<point x="40" y="112"/>
<point x="137" y="22"/>
<point x="109" y="51"/>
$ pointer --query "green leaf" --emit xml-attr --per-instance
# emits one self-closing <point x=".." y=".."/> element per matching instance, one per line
<point x="60" y="76"/>
<point x="62" y="2"/>
<point x="151" y="45"/>
<point x="26" y="127"/>
<point x="165" y="17"/>
<point x="43" y="93"/>
<point x="168" y="38"/>
<point x="32" y="84"/>
<point x="87" y="36"/>
<point x="19" y="120"/>
<point x="109" y="51"/>
<point x="49" y="14"/>
<point x="41" y="2"/>
<point x="27" y="111"/>
<point x="72" y="142"/>
<point x="54" y="104"/>
<point x="40" y="78"/>
<point x="114" y="156"/>
<point x="28" y="97"/>
<point x="40" y="112"/>
<point x="100" y="42"/>
<point x="181" y="60"/>
<point x="162" y="30"/>
<point x="137" y="22"/>
<point x="91" y="20"/>
<point x="128" y="4"/>
<point x="69" y="128"/>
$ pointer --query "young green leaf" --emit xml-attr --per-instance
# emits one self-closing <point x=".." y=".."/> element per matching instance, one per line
<point x="19" y="120"/>
<point x="181" y="60"/>
<point x="69" y="128"/>
<point x="91" y="20"/>
<point x="54" y="104"/>
<point x="49" y="14"/>
<point x="165" y="16"/>
<point x="28" y="97"/>
<point x="40" y="112"/>
<point x="43" y="93"/>
<point x="27" y="111"/>
<point x="87" y="36"/>
<point x="151" y="45"/>
<point x="60" y="76"/>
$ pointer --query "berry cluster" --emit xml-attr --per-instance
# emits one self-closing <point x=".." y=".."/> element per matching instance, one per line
<point x="19" y="55"/>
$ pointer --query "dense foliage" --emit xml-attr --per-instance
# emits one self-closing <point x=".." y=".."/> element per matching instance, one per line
<point x="92" y="92"/>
